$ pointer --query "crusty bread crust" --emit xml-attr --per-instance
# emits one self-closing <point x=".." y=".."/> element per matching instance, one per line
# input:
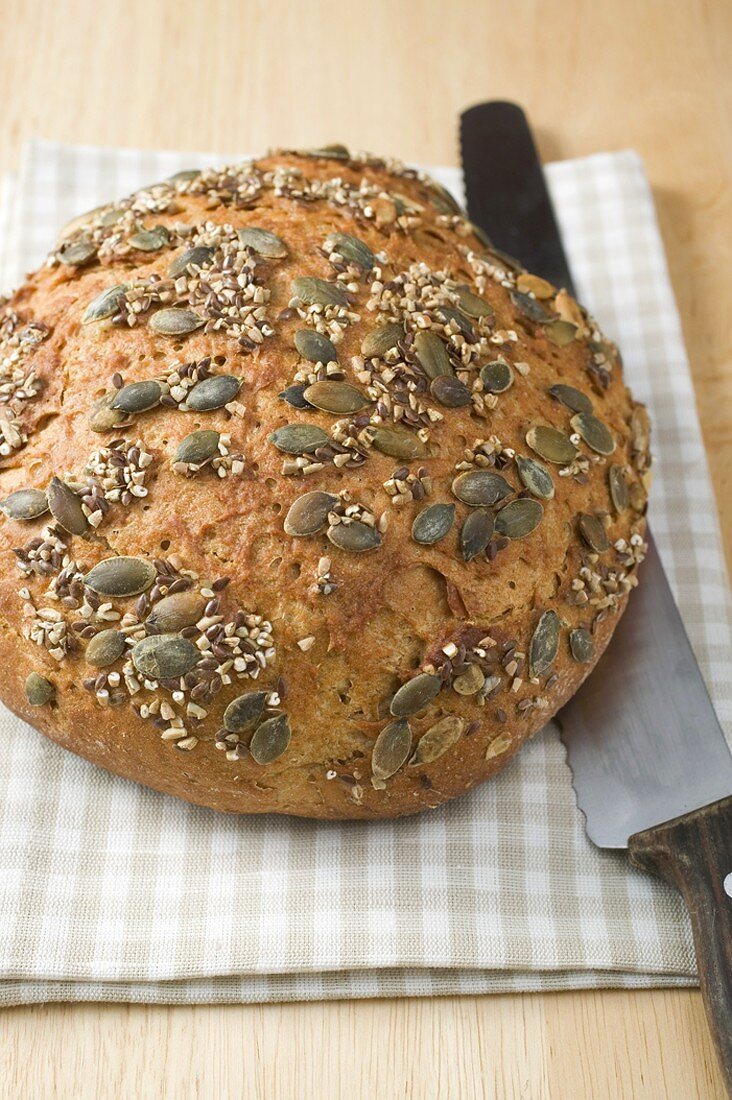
<point x="348" y="631"/>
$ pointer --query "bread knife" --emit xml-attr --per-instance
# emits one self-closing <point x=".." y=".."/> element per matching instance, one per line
<point x="651" y="770"/>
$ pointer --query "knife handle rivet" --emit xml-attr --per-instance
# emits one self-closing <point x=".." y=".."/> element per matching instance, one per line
<point x="728" y="884"/>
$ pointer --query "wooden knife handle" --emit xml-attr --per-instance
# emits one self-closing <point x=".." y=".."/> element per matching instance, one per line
<point x="694" y="854"/>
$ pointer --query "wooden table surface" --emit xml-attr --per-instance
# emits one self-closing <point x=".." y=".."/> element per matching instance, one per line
<point x="391" y="76"/>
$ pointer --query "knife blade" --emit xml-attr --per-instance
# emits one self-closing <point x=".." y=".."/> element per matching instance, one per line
<point x="651" y="769"/>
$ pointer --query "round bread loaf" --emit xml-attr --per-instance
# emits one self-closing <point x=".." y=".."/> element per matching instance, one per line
<point x="313" y="502"/>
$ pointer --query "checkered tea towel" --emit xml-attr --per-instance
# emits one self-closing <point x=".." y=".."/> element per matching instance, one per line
<point x="109" y="891"/>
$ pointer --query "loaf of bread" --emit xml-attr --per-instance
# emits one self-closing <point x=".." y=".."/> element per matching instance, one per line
<point x="313" y="502"/>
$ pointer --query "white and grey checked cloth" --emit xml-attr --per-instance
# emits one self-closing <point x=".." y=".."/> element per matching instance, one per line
<point x="109" y="891"/>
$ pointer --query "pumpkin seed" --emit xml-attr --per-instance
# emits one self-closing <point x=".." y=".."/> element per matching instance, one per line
<point x="530" y="308"/>
<point x="137" y="397"/>
<point x="593" y="532"/>
<point x="496" y="377"/>
<point x="213" y="393"/>
<point x="309" y="513"/>
<point x="353" y="250"/>
<point x="315" y="347"/>
<point x="552" y="445"/>
<point x="185" y="175"/>
<point x="449" y="313"/>
<point x="398" y="443"/>
<point x="298" y="439"/>
<point x="376" y="343"/>
<point x="270" y="740"/>
<point x="356" y="537"/>
<point x="66" y="507"/>
<point x="470" y="682"/>
<point x="450" y="391"/>
<point x="150" y="240"/>
<point x="391" y="749"/>
<point x="498" y="746"/>
<point x="519" y="518"/>
<point x="105" y="304"/>
<point x="480" y="487"/>
<point x="595" y="434"/>
<point x="164" y="656"/>
<point x="103" y="417"/>
<point x="472" y="304"/>
<point x="198" y="447"/>
<point x="637" y="497"/>
<point x="175" y="321"/>
<point x="443" y="199"/>
<point x="618" y="488"/>
<point x="293" y="395"/>
<point x="120" y="576"/>
<point x="105" y="648"/>
<point x="318" y="292"/>
<point x="262" y="241"/>
<point x="433" y="523"/>
<point x="78" y="253"/>
<point x="199" y="256"/>
<point x="245" y="711"/>
<point x="476" y="533"/>
<point x="25" y="504"/>
<point x="571" y="398"/>
<point x="335" y="151"/>
<point x="534" y="284"/>
<point x="535" y="477"/>
<point x="338" y="398"/>
<point x="438" y="739"/>
<point x="432" y="354"/>
<point x="561" y="333"/>
<point x="175" y="612"/>
<point x="544" y="644"/>
<point x="415" y="695"/>
<point x="581" y="645"/>
<point x="38" y="690"/>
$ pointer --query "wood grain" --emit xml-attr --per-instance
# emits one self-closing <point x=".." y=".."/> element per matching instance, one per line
<point x="237" y="75"/>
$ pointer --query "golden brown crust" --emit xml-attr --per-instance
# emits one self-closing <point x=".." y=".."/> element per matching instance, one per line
<point x="343" y="637"/>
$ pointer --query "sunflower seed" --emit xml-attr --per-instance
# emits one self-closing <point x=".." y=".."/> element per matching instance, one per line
<point x="318" y="292"/>
<point x="449" y="314"/>
<point x="450" y="391"/>
<point x="213" y="393"/>
<point x="105" y="648"/>
<point x="383" y="339"/>
<point x="470" y="682"/>
<point x="103" y="417"/>
<point x="571" y="398"/>
<point x="66" y="507"/>
<point x="581" y="645"/>
<point x="552" y="445"/>
<point x="544" y="644"/>
<point x="175" y="612"/>
<point x="38" y="690"/>
<point x="391" y="749"/>
<point x="298" y="439"/>
<point x="433" y="523"/>
<point x="315" y="347"/>
<point x="197" y="447"/>
<point x="432" y="354"/>
<point x="519" y="518"/>
<point x="293" y="395"/>
<point x="398" y="443"/>
<point x="595" y="434"/>
<point x="164" y="656"/>
<point x="472" y="304"/>
<point x="338" y="398"/>
<point x="137" y="397"/>
<point x="496" y="377"/>
<point x="270" y="740"/>
<point x="150" y="240"/>
<point x="120" y="576"/>
<point x="593" y="532"/>
<point x="355" y="537"/>
<point x="245" y="711"/>
<point x="262" y="241"/>
<point x="530" y="308"/>
<point x="476" y="533"/>
<point x="535" y="477"/>
<point x="438" y="739"/>
<point x="105" y="304"/>
<point x="175" y="321"/>
<point x="78" y="254"/>
<point x="353" y="250"/>
<point x="561" y="333"/>
<point x="309" y="513"/>
<point x="25" y="504"/>
<point x="190" y="257"/>
<point x="480" y="487"/>
<point x="618" y="488"/>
